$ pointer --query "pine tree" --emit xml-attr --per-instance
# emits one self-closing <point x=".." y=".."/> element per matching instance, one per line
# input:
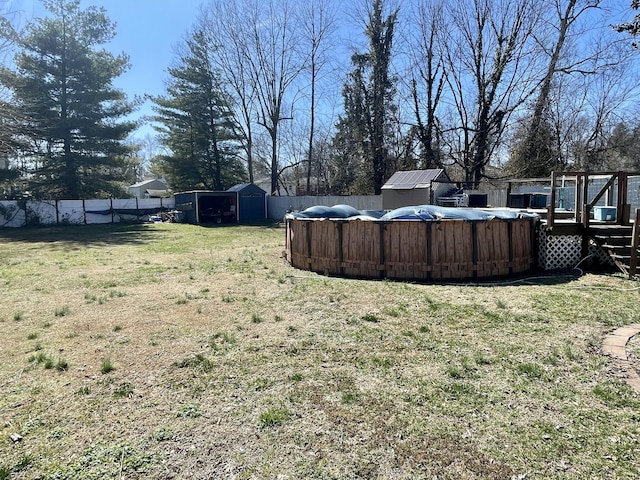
<point x="197" y="125"/>
<point x="352" y="150"/>
<point x="71" y="137"/>
<point x="534" y="154"/>
<point x="633" y="26"/>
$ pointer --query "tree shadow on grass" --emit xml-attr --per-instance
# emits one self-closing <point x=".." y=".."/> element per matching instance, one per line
<point x="76" y="236"/>
<point x="535" y="277"/>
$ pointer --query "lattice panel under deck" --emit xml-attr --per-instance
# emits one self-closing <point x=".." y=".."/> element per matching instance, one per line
<point x="559" y="251"/>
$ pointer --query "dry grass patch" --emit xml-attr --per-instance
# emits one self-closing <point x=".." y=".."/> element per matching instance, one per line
<point x="193" y="352"/>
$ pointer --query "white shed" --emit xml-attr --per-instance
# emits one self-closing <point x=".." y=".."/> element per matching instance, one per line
<point x="148" y="188"/>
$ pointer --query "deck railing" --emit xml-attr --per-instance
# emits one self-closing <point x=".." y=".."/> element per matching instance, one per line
<point x="584" y="207"/>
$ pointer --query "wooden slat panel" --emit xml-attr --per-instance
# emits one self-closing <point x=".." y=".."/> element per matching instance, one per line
<point x="522" y="248"/>
<point x="501" y="249"/>
<point x="405" y="253"/>
<point x="438" y="253"/>
<point x="361" y="248"/>
<point x="324" y="247"/>
<point x="485" y="231"/>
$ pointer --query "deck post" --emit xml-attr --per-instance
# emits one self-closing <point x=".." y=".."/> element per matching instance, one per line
<point x="623" y="208"/>
<point x="552" y="206"/>
<point x="635" y="244"/>
<point x="585" y="201"/>
<point x="578" y="205"/>
<point x="586" y="210"/>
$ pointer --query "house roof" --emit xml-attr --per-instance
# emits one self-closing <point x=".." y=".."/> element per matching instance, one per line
<point x="147" y="182"/>
<point x="157" y="193"/>
<point x="408" y="180"/>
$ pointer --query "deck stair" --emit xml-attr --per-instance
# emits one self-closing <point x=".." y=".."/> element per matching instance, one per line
<point x="620" y="242"/>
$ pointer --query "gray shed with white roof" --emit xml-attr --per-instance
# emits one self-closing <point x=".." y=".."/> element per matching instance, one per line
<point x="415" y="187"/>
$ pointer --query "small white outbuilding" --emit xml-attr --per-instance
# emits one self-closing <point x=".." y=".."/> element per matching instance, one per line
<point x="148" y="188"/>
<point x="415" y="187"/>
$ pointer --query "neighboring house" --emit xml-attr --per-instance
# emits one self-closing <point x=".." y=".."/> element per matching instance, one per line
<point x="415" y="187"/>
<point x="148" y="188"/>
<point x="265" y="184"/>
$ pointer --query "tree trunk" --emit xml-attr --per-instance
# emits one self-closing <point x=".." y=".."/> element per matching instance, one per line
<point x="312" y="127"/>
<point x="545" y="87"/>
<point x="274" y="159"/>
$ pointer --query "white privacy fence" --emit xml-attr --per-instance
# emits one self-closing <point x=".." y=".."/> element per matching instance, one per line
<point x="277" y="207"/>
<point x="51" y="212"/>
<point x="20" y="213"/>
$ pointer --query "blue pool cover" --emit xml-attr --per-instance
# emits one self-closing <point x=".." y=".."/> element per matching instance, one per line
<point x="417" y="212"/>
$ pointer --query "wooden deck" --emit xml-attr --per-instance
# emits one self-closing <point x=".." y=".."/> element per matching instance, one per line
<point x="619" y="237"/>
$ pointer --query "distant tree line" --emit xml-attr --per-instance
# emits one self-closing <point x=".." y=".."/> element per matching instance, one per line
<point x="321" y="97"/>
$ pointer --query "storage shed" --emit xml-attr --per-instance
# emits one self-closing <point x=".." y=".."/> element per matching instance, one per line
<point x="244" y="203"/>
<point x="415" y="187"/>
<point x="251" y="203"/>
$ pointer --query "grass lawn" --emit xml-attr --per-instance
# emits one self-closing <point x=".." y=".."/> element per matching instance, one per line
<point x="175" y="351"/>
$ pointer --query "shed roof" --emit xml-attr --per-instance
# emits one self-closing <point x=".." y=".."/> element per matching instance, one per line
<point x="410" y="179"/>
<point x="239" y="187"/>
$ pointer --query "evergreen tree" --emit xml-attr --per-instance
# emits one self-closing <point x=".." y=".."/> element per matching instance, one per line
<point x="197" y="125"/>
<point x="9" y="114"/>
<point x="633" y="26"/>
<point x="534" y="154"/>
<point x="71" y="139"/>
<point x="368" y="96"/>
<point x="351" y="170"/>
<point x="623" y="148"/>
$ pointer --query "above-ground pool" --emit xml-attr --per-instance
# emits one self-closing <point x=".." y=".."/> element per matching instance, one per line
<point x="414" y="243"/>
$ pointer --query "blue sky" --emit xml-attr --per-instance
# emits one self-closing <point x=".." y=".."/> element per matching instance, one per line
<point x="146" y="30"/>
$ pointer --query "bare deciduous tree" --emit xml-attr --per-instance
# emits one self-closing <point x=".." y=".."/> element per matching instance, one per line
<point x="489" y="75"/>
<point x="318" y="23"/>
<point x="224" y="26"/>
<point x="257" y="43"/>
<point x="427" y="76"/>
<point x="565" y="18"/>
